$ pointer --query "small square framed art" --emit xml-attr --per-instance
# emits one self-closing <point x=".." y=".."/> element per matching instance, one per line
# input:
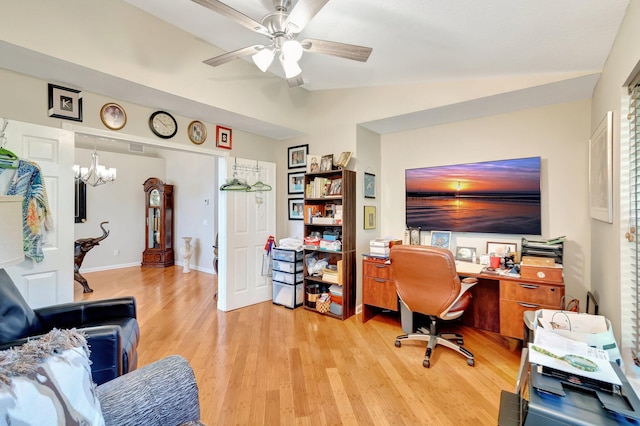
<point x="65" y="103"/>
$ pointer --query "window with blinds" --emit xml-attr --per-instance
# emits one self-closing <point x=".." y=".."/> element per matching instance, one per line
<point x="634" y="220"/>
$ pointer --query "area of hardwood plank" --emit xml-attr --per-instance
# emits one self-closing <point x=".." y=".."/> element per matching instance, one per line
<point x="266" y="364"/>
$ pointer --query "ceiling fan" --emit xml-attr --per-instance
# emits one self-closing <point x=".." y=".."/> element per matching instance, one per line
<point x="282" y="28"/>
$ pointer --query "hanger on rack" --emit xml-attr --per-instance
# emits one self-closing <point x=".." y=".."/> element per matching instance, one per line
<point x="8" y="160"/>
<point x="259" y="186"/>
<point x="234" y="184"/>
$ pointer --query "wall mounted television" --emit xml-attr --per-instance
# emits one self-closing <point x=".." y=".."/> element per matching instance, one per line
<point x="500" y="197"/>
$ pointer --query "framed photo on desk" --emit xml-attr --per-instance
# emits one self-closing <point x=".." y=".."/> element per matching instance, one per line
<point x="501" y="249"/>
<point x="441" y="239"/>
<point x="465" y="254"/>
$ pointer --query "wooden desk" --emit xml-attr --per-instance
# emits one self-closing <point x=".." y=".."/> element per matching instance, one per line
<point x="498" y="305"/>
<point x="499" y="302"/>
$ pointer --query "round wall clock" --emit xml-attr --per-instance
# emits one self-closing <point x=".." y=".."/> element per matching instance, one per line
<point x="163" y="125"/>
<point x="197" y="132"/>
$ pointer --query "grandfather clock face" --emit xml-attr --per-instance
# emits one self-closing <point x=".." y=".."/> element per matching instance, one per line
<point x="154" y="198"/>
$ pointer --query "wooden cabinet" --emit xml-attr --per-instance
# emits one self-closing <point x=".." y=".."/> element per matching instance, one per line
<point x="378" y="288"/>
<point x="158" y="252"/>
<point x="329" y="213"/>
<point x="516" y="297"/>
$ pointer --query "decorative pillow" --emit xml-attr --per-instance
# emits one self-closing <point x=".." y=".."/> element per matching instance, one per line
<point x="53" y="374"/>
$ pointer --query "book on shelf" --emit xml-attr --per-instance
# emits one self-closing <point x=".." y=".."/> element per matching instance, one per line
<point x="330" y="275"/>
<point x="337" y="213"/>
<point x="322" y="220"/>
<point x="312" y="211"/>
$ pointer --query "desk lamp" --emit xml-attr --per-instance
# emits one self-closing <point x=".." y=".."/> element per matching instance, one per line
<point x="11" y="252"/>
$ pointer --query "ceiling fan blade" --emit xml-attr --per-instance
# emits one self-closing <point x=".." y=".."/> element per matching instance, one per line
<point x="295" y="81"/>
<point x="342" y="50"/>
<point x="239" y="17"/>
<point x="228" y="57"/>
<point x="303" y="12"/>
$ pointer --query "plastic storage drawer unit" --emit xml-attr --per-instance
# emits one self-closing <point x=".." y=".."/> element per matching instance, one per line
<point x="288" y="278"/>
<point x="287" y="295"/>
<point x="287" y="255"/>
<point x="290" y="267"/>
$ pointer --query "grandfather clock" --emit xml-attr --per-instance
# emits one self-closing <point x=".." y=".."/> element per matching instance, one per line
<point x="158" y="252"/>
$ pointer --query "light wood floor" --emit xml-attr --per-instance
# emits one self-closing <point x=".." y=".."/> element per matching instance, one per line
<point x="267" y="364"/>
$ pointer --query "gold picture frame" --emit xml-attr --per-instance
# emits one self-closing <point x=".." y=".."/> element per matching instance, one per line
<point x="113" y="116"/>
<point x="197" y="132"/>
<point x="370" y="217"/>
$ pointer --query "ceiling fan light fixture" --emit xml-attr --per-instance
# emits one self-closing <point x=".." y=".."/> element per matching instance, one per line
<point x="291" y="68"/>
<point x="263" y="58"/>
<point x="292" y="50"/>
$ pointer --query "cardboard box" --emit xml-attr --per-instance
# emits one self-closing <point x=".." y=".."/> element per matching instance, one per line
<point x="551" y="274"/>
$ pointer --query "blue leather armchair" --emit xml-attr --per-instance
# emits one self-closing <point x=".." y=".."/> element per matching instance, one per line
<point x="110" y="326"/>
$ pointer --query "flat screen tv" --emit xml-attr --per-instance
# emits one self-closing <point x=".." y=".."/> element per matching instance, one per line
<point x="501" y="197"/>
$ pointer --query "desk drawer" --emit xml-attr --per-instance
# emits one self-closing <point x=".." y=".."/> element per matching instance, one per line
<point x="379" y="292"/>
<point x="540" y="294"/>
<point x="376" y="270"/>
<point x="512" y="316"/>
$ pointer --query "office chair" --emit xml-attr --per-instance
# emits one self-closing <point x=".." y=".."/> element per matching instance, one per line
<point x="427" y="283"/>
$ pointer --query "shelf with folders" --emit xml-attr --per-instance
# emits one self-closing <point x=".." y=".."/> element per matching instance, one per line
<point x="329" y="231"/>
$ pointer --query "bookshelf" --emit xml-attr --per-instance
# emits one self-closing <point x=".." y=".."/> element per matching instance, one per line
<point x="329" y="230"/>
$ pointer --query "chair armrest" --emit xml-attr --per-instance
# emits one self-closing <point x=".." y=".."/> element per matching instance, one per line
<point x="70" y="315"/>
<point x="105" y="345"/>
<point x="162" y="393"/>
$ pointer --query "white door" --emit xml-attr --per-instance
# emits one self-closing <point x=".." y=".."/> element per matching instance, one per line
<point x="245" y="222"/>
<point x="50" y="281"/>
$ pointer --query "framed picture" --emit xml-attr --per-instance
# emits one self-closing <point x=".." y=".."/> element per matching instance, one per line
<point x="441" y="239"/>
<point x="297" y="156"/>
<point x="296" y="182"/>
<point x="369" y="217"/>
<point x="414" y="236"/>
<point x="326" y="163"/>
<point x="113" y="116"/>
<point x="223" y="137"/>
<point x="336" y="187"/>
<point x="601" y="170"/>
<point x="197" y="132"/>
<point x="65" y="103"/>
<point x="501" y="249"/>
<point x="296" y="208"/>
<point x="313" y="163"/>
<point x="344" y="159"/>
<point x="465" y="254"/>
<point x="369" y="185"/>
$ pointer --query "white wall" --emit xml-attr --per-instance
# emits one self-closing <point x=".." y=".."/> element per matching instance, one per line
<point x="558" y="133"/>
<point x="195" y="205"/>
<point x="608" y="239"/>
<point x="121" y="203"/>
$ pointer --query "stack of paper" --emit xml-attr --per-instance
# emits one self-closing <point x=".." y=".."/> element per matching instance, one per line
<point x="555" y="351"/>
<point x="330" y="274"/>
<point x="380" y="247"/>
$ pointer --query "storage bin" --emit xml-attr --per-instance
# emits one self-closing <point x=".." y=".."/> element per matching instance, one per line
<point x="336" y="309"/>
<point x="287" y="295"/>
<point x="279" y="265"/>
<point x="287" y="255"/>
<point x="288" y="278"/>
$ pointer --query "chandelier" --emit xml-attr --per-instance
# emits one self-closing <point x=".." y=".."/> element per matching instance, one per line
<point x="95" y="174"/>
